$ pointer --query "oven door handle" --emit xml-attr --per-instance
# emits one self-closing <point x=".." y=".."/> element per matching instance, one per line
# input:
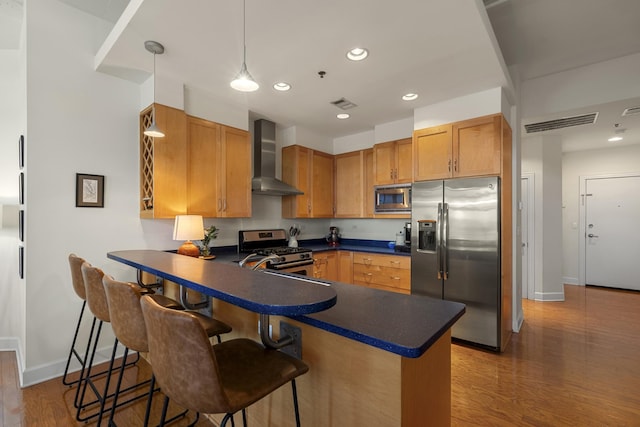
<point x="291" y="264"/>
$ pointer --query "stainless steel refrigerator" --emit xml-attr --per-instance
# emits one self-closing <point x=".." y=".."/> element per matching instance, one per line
<point x="455" y="251"/>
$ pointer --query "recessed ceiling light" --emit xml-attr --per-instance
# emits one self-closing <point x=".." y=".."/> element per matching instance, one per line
<point x="343" y="116"/>
<point x="282" y="86"/>
<point x="357" y="54"/>
<point x="410" y="96"/>
<point x="615" y="139"/>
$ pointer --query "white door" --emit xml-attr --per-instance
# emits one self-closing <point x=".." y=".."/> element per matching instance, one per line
<point x="612" y="232"/>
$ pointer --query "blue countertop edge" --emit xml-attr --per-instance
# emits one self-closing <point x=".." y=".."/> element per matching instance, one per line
<point x="330" y="321"/>
<point x="278" y="310"/>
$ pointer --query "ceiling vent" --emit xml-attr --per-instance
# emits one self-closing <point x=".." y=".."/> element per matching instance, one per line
<point x="631" y="111"/>
<point x="565" y="122"/>
<point x="344" y="104"/>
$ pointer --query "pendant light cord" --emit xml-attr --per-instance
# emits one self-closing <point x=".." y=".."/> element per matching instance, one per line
<point x="244" y="30"/>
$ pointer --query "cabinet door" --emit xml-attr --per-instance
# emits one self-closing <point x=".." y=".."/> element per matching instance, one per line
<point x="322" y="185"/>
<point x="236" y="182"/>
<point x="345" y="267"/>
<point x="404" y="165"/>
<point x="163" y="164"/>
<point x="325" y="265"/>
<point x="432" y="153"/>
<point x="476" y="146"/>
<point x="203" y="195"/>
<point x="296" y="171"/>
<point x="368" y="183"/>
<point x="350" y="190"/>
<point x="384" y="163"/>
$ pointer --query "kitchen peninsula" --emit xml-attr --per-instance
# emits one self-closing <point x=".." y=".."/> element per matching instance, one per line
<point x="375" y="357"/>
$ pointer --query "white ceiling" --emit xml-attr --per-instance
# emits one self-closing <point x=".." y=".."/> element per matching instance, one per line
<point x="437" y="48"/>
<point x="292" y="40"/>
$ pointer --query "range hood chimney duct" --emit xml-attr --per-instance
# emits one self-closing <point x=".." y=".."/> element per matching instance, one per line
<point x="264" y="162"/>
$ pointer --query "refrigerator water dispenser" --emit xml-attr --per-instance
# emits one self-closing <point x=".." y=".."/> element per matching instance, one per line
<point x="427" y="235"/>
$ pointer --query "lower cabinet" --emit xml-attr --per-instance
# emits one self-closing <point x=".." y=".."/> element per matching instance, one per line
<point x="325" y="265"/>
<point x="380" y="271"/>
<point x="387" y="272"/>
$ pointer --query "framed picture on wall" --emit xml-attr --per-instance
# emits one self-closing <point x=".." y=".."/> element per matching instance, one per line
<point x="89" y="190"/>
<point x="21" y="224"/>
<point x="21" y="151"/>
<point x="21" y="189"/>
<point x="21" y="261"/>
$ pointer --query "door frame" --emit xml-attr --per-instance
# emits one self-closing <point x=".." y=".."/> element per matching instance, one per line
<point x="531" y="285"/>
<point x="582" y="265"/>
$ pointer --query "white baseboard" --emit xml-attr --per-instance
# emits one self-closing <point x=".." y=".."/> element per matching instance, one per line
<point x="570" y="280"/>
<point x="549" y="296"/>
<point x="55" y="369"/>
<point x="518" y="322"/>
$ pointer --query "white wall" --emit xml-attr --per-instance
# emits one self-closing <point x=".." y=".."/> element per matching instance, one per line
<point x="542" y="157"/>
<point x="12" y="124"/>
<point x="615" y="160"/>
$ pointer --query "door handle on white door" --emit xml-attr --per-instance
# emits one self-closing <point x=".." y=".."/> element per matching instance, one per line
<point x="592" y="235"/>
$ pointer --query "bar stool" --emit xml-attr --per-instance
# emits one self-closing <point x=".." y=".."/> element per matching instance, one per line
<point x="223" y="378"/>
<point x="128" y="325"/>
<point x="78" y="286"/>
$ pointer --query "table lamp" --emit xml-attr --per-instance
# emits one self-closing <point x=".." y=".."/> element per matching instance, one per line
<point x="188" y="227"/>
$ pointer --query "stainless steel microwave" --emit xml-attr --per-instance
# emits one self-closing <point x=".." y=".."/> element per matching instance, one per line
<point x="392" y="198"/>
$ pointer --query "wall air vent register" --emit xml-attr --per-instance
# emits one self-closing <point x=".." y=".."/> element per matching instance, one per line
<point x="565" y="122"/>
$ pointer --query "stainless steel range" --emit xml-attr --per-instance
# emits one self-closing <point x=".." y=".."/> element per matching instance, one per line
<point x="269" y="247"/>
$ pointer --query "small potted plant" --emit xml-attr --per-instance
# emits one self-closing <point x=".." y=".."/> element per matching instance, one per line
<point x="209" y="234"/>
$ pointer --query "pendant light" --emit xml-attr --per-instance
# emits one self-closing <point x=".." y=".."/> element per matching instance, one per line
<point x="157" y="49"/>
<point x="243" y="81"/>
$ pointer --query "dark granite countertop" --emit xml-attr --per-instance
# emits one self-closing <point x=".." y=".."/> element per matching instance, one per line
<point x="406" y="325"/>
<point x="266" y="294"/>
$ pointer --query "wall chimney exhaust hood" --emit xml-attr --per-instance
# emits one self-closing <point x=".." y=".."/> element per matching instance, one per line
<point x="264" y="162"/>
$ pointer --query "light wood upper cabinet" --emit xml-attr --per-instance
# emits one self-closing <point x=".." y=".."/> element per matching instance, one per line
<point x="235" y="187"/>
<point x="392" y="162"/>
<point x="219" y="175"/>
<point x="163" y="164"/>
<point x="312" y="172"/>
<point x="477" y="146"/>
<point x="368" y="183"/>
<point x="432" y="153"/>
<point x="350" y="185"/>
<point x="462" y="149"/>
<point x="322" y="185"/>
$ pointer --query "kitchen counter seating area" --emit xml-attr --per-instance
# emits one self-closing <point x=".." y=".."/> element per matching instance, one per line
<point x="375" y="357"/>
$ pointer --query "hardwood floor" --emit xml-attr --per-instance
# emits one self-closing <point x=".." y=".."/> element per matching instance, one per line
<point x="574" y="363"/>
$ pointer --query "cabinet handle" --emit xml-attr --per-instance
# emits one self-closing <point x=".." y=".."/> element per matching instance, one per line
<point x="224" y="205"/>
<point x="367" y="261"/>
<point x="455" y="165"/>
<point x="367" y="277"/>
<point x="219" y="205"/>
<point x="394" y="262"/>
<point x="449" y="166"/>
<point x="394" y="277"/>
<point x="391" y="174"/>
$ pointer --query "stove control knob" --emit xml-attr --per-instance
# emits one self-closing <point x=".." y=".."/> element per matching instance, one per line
<point x="305" y="256"/>
<point x="282" y="259"/>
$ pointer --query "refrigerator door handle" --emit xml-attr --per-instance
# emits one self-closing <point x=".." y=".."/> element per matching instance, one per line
<point x="445" y="241"/>
<point x="439" y="242"/>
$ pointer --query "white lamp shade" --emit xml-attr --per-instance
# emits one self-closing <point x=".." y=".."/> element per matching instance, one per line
<point x="188" y="227"/>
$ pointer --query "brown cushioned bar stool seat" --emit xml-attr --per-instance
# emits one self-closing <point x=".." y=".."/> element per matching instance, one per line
<point x="223" y="378"/>
<point x="97" y="302"/>
<point x="128" y="325"/>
